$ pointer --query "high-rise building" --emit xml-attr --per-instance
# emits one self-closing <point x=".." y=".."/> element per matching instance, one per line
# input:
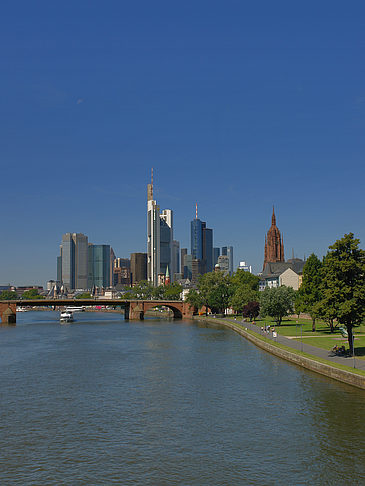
<point x="138" y="267"/>
<point x="196" y="270"/>
<point x="59" y="267"/>
<point x="201" y="239"/>
<point x="81" y="260"/>
<point x="274" y="244"/>
<point x="196" y="238"/>
<point x="175" y="264"/>
<point x="223" y="262"/>
<point x="166" y="239"/>
<point x="121" y="271"/>
<point x="228" y="251"/>
<point x="207" y="250"/>
<point x="153" y="236"/>
<point x="184" y="252"/>
<point x="99" y="266"/>
<point x="112" y="260"/>
<point x="68" y="262"/>
<point x="159" y="238"/>
<point x="188" y="267"/>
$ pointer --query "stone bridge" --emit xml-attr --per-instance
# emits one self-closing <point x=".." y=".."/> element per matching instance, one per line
<point x="133" y="309"/>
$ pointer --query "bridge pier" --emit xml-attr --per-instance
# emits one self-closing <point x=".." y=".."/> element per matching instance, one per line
<point x="136" y="311"/>
<point x="8" y="313"/>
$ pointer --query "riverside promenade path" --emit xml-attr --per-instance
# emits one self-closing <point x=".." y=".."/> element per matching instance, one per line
<point x="297" y="344"/>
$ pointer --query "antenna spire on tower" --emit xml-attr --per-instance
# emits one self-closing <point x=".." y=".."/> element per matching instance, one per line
<point x="152" y="179"/>
<point x="196" y="210"/>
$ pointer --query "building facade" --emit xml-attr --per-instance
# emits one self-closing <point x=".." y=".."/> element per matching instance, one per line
<point x="99" y="266"/>
<point x="228" y="251"/>
<point x="72" y="265"/>
<point x="201" y="241"/>
<point x="175" y="263"/>
<point x="166" y="240"/>
<point x="138" y="267"/>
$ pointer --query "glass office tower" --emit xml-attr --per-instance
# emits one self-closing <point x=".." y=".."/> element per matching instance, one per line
<point x="196" y="233"/>
<point x="99" y="266"/>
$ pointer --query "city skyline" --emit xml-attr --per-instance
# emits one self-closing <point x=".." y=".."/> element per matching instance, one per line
<point x="239" y="110"/>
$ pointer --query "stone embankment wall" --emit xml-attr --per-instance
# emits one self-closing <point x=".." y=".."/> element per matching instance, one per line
<point x="324" y="369"/>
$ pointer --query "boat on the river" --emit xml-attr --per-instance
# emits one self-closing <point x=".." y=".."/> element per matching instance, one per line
<point x="66" y="316"/>
<point x="21" y="309"/>
<point x="75" y="309"/>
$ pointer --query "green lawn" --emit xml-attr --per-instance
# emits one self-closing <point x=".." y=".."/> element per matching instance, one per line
<point x="291" y="327"/>
<point x="322" y="338"/>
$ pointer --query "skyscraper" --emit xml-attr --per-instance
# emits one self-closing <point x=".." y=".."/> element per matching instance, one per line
<point x="72" y="265"/>
<point x="166" y="239"/>
<point x="81" y="260"/>
<point x="207" y="250"/>
<point x="153" y="236"/>
<point x="184" y="252"/>
<point x="160" y="236"/>
<point x="99" y="266"/>
<point x="201" y="239"/>
<point x="175" y="264"/>
<point x="196" y="238"/>
<point x="68" y="261"/>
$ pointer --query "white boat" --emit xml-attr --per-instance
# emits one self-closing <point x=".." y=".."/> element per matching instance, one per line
<point x="74" y="309"/>
<point x="66" y="316"/>
<point x="21" y="309"/>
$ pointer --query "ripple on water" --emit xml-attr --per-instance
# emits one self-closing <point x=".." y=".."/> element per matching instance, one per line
<point x="108" y="402"/>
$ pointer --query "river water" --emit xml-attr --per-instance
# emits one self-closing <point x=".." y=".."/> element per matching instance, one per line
<point x="103" y="401"/>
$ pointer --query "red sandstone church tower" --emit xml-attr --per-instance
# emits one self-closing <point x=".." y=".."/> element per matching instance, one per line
<point x="274" y="245"/>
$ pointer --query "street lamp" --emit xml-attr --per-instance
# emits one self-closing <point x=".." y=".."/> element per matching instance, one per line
<point x="301" y="334"/>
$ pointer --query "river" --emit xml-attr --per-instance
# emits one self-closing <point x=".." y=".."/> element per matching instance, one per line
<point x="158" y="402"/>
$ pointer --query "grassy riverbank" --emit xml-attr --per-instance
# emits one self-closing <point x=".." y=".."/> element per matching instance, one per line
<point x="321" y="338"/>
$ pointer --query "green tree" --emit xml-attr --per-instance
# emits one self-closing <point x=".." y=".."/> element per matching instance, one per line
<point x="277" y="302"/>
<point x="194" y="299"/>
<point x="84" y="295"/>
<point x="344" y="282"/>
<point x="309" y="293"/>
<point x="243" y="278"/>
<point x="242" y="296"/>
<point x="144" y="290"/>
<point x="215" y="291"/>
<point x="244" y="288"/>
<point x="31" y="294"/>
<point x="173" y="291"/>
<point x="8" y="295"/>
<point x="158" y="293"/>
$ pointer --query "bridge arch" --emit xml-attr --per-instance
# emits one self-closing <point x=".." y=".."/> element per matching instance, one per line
<point x="177" y="312"/>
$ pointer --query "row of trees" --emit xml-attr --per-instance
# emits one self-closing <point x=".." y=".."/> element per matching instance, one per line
<point x="332" y="289"/>
<point x="217" y="291"/>
<point x="28" y="294"/>
<point x="146" y="291"/>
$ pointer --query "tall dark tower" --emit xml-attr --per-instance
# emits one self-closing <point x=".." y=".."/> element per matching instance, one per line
<point x="274" y="244"/>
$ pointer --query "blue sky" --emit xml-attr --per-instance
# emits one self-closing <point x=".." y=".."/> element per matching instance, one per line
<point x="237" y="105"/>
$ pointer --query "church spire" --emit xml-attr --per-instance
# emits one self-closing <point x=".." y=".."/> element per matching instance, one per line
<point x="274" y="243"/>
<point x="273" y="218"/>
